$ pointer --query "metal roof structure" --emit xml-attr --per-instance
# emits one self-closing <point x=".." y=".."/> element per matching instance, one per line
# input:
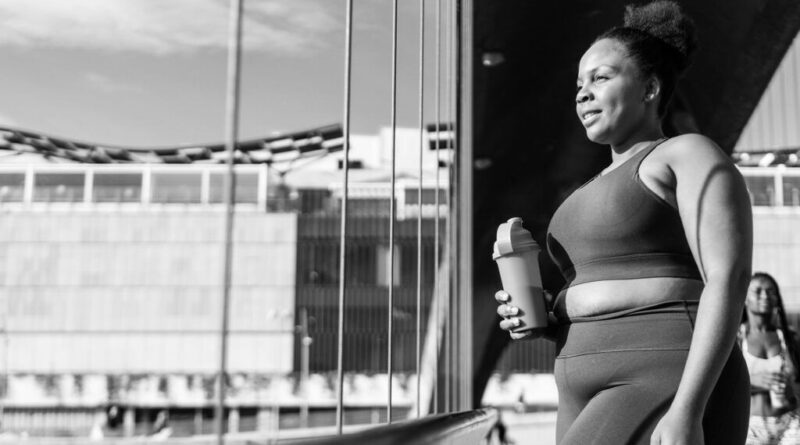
<point x="17" y="143"/>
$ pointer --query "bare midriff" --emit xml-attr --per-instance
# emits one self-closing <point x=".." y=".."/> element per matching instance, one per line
<point x="605" y="297"/>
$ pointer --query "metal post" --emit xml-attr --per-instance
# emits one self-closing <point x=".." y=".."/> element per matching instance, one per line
<point x="452" y="218"/>
<point x="231" y="130"/>
<point x="419" y="191"/>
<point x="463" y="129"/>
<point x="343" y="226"/>
<point x="392" y="211"/>
<point x="88" y="186"/>
<point x="436" y="241"/>
<point x="777" y="177"/>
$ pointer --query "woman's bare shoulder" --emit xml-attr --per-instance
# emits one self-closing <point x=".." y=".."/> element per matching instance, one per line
<point x="694" y="150"/>
<point x="692" y="143"/>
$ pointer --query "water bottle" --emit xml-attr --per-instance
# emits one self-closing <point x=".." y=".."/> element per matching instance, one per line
<point x="517" y="258"/>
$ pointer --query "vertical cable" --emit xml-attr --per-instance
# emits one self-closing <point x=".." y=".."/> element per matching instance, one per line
<point x="456" y="297"/>
<point x="452" y="216"/>
<point x="390" y="342"/>
<point x="231" y="130"/>
<point x="437" y="216"/>
<point x="419" y="188"/>
<point x="456" y="302"/>
<point x="343" y="225"/>
<point x="462" y="122"/>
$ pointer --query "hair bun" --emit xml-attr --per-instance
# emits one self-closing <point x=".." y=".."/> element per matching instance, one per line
<point x="665" y="20"/>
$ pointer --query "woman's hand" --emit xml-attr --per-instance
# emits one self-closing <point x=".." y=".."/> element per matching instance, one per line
<point x="678" y="429"/>
<point x="783" y="385"/>
<point x="508" y="313"/>
<point x="767" y="380"/>
<point x="509" y="321"/>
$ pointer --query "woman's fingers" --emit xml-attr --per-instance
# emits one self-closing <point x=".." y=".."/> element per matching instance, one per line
<point x="509" y="323"/>
<point x="506" y="310"/>
<point x="516" y="336"/>
<point x="508" y="313"/>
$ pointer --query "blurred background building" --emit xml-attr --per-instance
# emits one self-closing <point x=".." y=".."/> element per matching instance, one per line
<point x="111" y="261"/>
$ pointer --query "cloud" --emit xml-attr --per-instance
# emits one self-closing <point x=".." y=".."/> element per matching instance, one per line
<point x="108" y="85"/>
<point x="165" y="27"/>
<point x="8" y="121"/>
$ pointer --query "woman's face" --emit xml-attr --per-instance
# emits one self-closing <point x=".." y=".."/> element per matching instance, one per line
<point x="762" y="297"/>
<point x="611" y="97"/>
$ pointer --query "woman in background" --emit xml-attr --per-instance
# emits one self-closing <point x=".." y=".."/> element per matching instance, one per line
<point x="771" y="352"/>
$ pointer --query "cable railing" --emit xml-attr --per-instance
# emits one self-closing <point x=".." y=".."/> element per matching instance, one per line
<point x="331" y="304"/>
<point x="445" y="18"/>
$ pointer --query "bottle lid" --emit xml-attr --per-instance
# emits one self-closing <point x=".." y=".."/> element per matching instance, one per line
<point x="512" y="237"/>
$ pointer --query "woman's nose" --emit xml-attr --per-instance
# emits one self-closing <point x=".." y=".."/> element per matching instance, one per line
<point x="582" y="96"/>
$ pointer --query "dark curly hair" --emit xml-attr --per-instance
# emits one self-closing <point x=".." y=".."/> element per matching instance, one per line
<point x="660" y="38"/>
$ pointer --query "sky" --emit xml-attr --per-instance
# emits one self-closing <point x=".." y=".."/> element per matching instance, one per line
<point x="151" y="73"/>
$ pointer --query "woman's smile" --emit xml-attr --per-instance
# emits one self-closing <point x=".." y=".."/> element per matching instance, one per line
<point x="589" y="117"/>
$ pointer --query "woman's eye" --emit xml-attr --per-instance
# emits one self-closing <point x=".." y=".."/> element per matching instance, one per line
<point x="600" y="79"/>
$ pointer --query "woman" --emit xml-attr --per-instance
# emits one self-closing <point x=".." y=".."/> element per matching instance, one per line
<point x="656" y="252"/>
<point x="770" y="350"/>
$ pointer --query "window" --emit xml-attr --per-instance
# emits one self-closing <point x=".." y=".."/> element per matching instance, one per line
<point x="58" y="187"/>
<point x="246" y="188"/>
<point x="762" y="190"/>
<point x="12" y="187"/>
<point x="184" y="188"/>
<point x="117" y="187"/>
<point x="791" y="191"/>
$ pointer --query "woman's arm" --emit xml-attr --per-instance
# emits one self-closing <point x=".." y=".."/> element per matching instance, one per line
<point x="791" y="368"/>
<point x="715" y="211"/>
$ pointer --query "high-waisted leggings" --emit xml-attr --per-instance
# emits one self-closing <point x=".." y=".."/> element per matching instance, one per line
<point x="617" y="375"/>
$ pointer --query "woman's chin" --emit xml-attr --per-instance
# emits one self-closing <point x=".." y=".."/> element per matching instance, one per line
<point x="596" y="136"/>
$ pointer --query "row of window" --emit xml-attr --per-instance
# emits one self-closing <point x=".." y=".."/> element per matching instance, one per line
<point x="191" y="187"/>
<point x="201" y="187"/>
<point x="773" y="189"/>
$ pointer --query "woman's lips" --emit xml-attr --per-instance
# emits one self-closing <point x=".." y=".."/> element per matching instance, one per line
<point x="589" y="117"/>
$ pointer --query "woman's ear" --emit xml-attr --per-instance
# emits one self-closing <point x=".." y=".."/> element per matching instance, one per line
<point x="652" y="89"/>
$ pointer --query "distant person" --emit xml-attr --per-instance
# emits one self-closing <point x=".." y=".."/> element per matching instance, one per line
<point x="656" y="254"/>
<point x="96" y="431"/>
<point x="161" y="428"/>
<point x="502" y="431"/>
<point x="771" y="351"/>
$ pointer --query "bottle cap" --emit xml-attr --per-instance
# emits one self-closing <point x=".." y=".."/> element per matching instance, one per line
<point x="512" y="237"/>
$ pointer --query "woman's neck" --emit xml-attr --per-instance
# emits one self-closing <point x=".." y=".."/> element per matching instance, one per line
<point x="760" y="323"/>
<point x="624" y="149"/>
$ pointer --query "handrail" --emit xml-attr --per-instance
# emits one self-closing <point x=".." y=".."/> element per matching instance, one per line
<point x="466" y="427"/>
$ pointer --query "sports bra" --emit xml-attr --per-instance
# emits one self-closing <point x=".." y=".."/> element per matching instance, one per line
<point x="757" y="364"/>
<point x="615" y="228"/>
